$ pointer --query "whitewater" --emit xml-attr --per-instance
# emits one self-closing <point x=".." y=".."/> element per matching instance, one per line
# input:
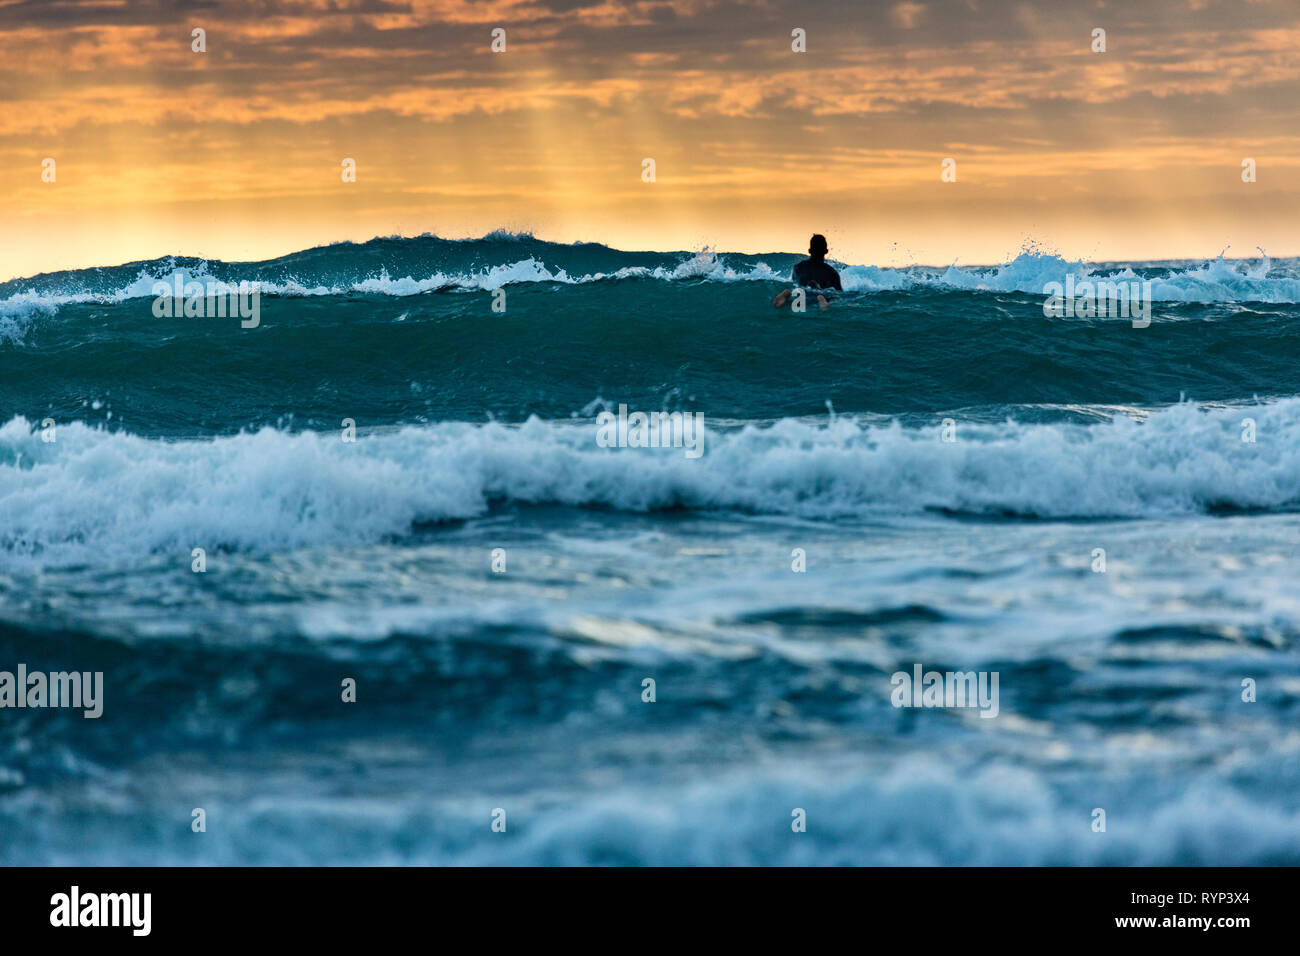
<point x="390" y="480"/>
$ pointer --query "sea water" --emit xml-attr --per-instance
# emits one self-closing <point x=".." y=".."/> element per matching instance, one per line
<point x="636" y="655"/>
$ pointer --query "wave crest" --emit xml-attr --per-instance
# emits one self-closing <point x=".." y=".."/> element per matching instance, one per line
<point x="404" y="267"/>
<point x="96" y="493"/>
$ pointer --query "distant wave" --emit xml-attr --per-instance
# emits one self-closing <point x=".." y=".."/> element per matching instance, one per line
<point x="114" y="494"/>
<point x="405" y="267"/>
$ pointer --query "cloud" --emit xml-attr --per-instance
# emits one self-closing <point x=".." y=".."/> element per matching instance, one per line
<point x="711" y="88"/>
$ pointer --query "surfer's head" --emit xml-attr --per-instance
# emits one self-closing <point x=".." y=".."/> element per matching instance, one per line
<point x="817" y="246"/>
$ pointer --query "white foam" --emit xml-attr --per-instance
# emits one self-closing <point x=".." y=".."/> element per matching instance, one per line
<point x="914" y="812"/>
<point x="96" y="493"/>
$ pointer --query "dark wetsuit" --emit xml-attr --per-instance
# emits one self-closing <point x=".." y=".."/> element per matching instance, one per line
<point x="816" y="274"/>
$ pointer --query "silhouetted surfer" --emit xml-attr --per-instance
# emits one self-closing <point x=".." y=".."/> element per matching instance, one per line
<point x="813" y="273"/>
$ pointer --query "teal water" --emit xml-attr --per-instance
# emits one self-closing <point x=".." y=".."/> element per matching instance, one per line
<point x="521" y="688"/>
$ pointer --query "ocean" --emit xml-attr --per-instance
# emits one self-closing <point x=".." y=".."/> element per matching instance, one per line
<point x="565" y="650"/>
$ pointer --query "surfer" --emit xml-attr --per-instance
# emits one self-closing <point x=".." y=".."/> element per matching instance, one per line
<point x="812" y="273"/>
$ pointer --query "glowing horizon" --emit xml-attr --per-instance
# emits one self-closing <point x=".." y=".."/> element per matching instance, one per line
<point x="235" y="153"/>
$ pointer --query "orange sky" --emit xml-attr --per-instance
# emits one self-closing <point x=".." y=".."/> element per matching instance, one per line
<point x="235" y="153"/>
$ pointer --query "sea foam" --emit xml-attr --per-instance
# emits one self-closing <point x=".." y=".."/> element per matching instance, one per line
<point x="95" y="493"/>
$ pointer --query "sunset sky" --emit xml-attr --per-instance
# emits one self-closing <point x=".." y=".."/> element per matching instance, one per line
<point x="235" y="153"/>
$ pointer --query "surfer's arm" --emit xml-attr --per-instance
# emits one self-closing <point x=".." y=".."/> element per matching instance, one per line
<point x="781" y="299"/>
